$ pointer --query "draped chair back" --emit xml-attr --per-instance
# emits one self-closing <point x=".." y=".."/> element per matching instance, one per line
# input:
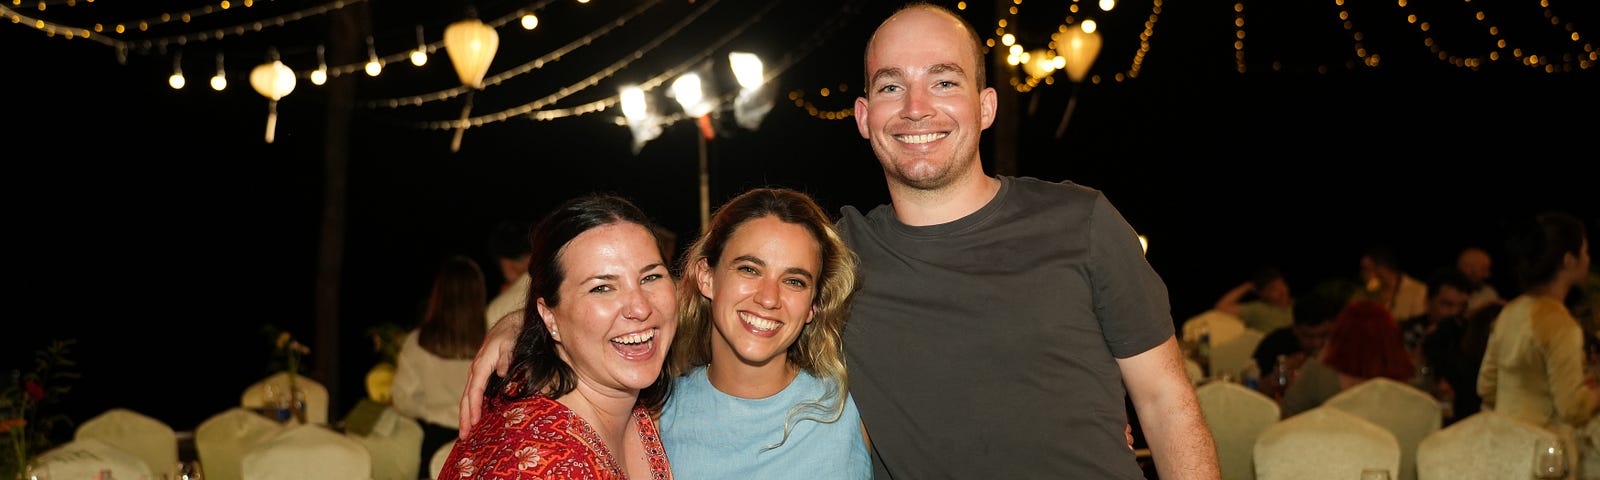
<point x="1407" y="412"/>
<point x="153" y="441"/>
<point x="395" y="442"/>
<point x="1324" y="443"/>
<point x="86" y="458"/>
<point x="1486" y="444"/>
<point x="1232" y="356"/>
<point x="1236" y="416"/>
<point x="439" y="456"/>
<point x="222" y="440"/>
<point x="307" y="452"/>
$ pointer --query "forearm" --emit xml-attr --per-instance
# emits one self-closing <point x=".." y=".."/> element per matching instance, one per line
<point x="1179" y="440"/>
<point x="1230" y="301"/>
<point x="1169" y="414"/>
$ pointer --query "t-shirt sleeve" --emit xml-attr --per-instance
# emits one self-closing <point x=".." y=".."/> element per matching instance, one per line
<point x="1130" y="299"/>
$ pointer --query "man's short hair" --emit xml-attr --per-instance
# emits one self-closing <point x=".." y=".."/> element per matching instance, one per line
<point x="510" y="240"/>
<point x="1318" y="307"/>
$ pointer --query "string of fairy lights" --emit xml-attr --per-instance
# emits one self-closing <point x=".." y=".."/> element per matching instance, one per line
<point x="1581" y="55"/>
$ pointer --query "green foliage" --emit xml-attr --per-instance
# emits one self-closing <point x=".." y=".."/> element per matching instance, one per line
<point x="28" y="420"/>
<point x="386" y="341"/>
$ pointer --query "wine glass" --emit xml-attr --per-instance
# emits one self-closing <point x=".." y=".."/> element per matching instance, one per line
<point x="1549" y="458"/>
<point x="187" y="470"/>
<point x="1374" y="474"/>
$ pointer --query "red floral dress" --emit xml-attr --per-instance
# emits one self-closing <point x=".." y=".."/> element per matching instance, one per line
<point x="539" y="438"/>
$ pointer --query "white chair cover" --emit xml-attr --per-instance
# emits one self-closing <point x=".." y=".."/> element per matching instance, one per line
<point x="395" y="443"/>
<point x="439" y="456"/>
<point x="1236" y="416"/>
<point x="147" y="438"/>
<point x="1197" y="375"/>
<point x="222" y="439"/>
<point x="307" y="452"/>
<point x="1325" y="443"/>
<point x="1231" y="356"/>
<point x="1222" y="326"/>
<point x="1410" y="414"/>
<point x="1486" y="445"/>
<point x="84" y="458"/>
<point x="315" y="393"/>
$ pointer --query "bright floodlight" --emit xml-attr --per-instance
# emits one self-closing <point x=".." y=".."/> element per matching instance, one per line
<point x="687" y="90"/>
<point x="747" y="69"/>
<point x="633" y="104"/>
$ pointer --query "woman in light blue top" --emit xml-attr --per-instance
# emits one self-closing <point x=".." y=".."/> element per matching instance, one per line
<point x="761" y="388"/>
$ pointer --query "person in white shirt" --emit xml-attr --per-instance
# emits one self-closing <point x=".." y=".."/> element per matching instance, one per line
<point x="432" y="367"/>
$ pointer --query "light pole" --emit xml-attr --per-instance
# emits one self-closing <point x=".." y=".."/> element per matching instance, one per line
<point x="690" y="95"/>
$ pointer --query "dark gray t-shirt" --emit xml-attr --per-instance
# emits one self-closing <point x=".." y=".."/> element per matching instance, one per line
<point x="986" y="347"/>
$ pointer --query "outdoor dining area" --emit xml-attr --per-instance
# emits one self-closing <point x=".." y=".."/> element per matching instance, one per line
<point x="1379" y="428"/>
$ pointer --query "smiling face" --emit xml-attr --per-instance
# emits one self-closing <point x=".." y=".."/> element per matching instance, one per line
<point x="617" y="313"/>
<point x="762" y="291"/>
<point x="924" y="111"/>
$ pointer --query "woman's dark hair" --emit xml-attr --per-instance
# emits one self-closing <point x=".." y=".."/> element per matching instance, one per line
<point x="535" y="364"/>
<point x="453" y="326"/>
<point x="1539" y="246"/>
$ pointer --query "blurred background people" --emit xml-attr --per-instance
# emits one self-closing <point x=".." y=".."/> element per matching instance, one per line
<point x="1533" y="367"/>
<point x="1447" y="301"/>
<point x="1384" y="281"/>
<point x="434" y="360"/>
<point x="1476" y="264"/>
<point x="1454" y="351"/>
<point x="1270" y="305"/>
<point x="1364" y="343"/>
<point x="1313" y="320"/>
<point x="508" y="244"/>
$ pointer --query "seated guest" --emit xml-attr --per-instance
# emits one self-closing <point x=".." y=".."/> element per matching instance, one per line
<point x="435" y="358"/>
<point x="1313" y="318"/>
<point x="1447" y="303"/>
<point x="1270" y="306"/>
<point x="585" y="378"/>
<point x="1455" y="351"/>
<point x="1364" y="344"/>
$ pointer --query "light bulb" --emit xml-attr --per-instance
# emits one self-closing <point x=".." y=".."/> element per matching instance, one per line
<point x="320" y="75"/>
<point x="529" y="21"/>
<point x="373" y="67"/>
<point x="419" y="57"/>
<point x="219" y="82"/>
<point x="176" y="81"/>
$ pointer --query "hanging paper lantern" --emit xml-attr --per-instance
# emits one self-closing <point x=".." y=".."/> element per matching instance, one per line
<point x="471" y="46"/>
<point x="272" y="80"/>
<point x="1079" y="47"/>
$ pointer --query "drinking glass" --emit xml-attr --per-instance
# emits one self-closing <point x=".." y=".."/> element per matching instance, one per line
<point x="1374" y="474"/>
<point x="1549" y="458"/>
<point x="187" y="470"/>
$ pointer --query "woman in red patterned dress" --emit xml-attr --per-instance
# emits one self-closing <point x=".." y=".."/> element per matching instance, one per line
<point x="586" y="374"/>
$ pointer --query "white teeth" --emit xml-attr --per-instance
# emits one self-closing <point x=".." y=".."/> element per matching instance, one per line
<point x="636" y="338"/>
<point x="923" y="138"/>
<point x="758" y="322"/>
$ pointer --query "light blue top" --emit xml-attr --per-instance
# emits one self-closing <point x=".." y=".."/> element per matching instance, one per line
<point x="712" y="435"/>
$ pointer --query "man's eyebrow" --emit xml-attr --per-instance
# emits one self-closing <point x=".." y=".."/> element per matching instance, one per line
<point x="946" y="68"/>
<point x="886" y="72"/>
